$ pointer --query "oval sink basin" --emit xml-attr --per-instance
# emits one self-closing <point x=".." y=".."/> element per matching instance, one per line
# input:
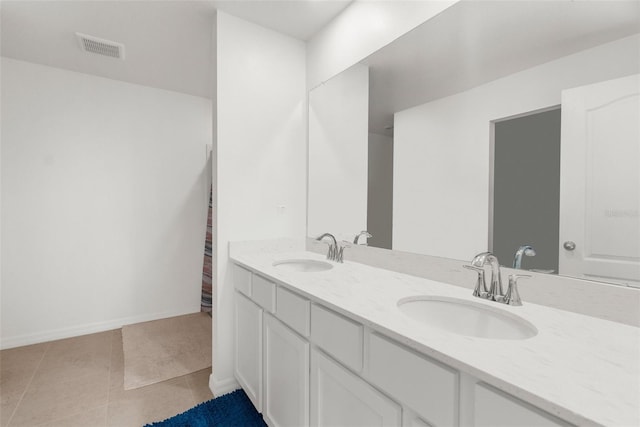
<point x="303" y="265"/>
<point x="467" y="318"/>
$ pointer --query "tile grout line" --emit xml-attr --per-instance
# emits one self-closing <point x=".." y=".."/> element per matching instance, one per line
<point x="28" y="384"/>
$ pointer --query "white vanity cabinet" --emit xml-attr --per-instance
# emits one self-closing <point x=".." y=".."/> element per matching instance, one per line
<point x="271" y="359"/>
<point x="303" y="363"/>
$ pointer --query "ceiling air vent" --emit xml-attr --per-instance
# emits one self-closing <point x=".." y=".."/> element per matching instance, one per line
<point x="101" y="46"/>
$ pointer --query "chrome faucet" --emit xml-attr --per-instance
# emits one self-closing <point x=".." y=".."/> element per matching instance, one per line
<point x="495" y="290"/>
<point x="364" y="233"/>
<point x="332" y="253"/>
<point x="336" y="251"/>
<point x="524" y="250"/>
<point x="495" y="293"/>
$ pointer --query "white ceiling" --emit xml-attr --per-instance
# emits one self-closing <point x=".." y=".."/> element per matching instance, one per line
<point x="168" y="43"/>
<point x="474" y="42"/>
<point x="298" y="18"/>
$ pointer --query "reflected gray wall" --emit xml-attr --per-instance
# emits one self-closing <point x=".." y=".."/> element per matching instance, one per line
<point x="527" y="188"/>
<point x="380" y="190"/>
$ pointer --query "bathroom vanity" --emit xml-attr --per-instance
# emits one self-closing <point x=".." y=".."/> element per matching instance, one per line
<point x="327" y="344"/>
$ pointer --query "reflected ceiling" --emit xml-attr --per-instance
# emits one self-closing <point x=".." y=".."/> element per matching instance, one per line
<point x="445" y="60"/>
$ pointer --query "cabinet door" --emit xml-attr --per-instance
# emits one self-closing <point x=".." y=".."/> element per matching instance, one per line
<point x="286" y="375"/>
<point x="248" y="348"/>
<point x="340" y="398"/>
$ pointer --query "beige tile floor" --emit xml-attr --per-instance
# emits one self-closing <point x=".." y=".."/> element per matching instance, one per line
<point x="79" y="382"/>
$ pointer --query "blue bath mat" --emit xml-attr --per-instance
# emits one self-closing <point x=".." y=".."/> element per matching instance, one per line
<point x="229" y="410"/>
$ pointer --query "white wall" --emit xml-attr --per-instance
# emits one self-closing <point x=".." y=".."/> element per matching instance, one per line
<point x="338" y="153"/>
<point x="361" y="29"/>
<point x="441" y="159"/>
<point x="104" y="202"/>
<point x="261" y="157"/>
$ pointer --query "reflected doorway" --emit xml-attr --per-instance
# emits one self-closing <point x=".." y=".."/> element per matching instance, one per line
<point x="380" y="189"/>
<point x="526" y="188"/>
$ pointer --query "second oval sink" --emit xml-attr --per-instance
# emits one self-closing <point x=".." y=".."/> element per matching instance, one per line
<point x="467" y="318"/>
<point x="302" y="265"/>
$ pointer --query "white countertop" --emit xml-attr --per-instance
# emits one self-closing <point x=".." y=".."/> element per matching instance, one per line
<point x="582" y="369"/>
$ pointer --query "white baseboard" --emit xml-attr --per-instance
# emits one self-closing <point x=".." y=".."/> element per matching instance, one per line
<point x="90" y="328"/>
<point x="220" y="387"/>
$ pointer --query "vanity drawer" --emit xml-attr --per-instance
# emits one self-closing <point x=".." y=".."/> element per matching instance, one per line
<point x="494" y="408"/>
<point x="263" y="292"/>
<point x="242" y="279"/>
<point x="424" y="385"/>
<point x="338" y="336"/>
<point x="293" y="310"/>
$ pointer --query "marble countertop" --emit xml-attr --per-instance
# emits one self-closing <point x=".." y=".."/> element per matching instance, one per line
<point x="580" y="368"/>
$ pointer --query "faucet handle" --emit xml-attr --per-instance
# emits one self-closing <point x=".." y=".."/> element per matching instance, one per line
<point x="340" y="250"/>
<point x="512" y="297"/>
<point x="332" y="252"/>
<point x="480" y="289"/>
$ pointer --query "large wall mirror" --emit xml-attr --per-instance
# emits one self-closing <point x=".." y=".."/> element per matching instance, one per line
<point x="494" y="125"/>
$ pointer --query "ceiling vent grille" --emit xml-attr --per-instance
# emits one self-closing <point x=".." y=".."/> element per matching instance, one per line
<point x="101" y="46"/>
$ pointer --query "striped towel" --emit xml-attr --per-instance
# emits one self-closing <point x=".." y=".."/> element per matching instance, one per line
<point x="205" y="300"/>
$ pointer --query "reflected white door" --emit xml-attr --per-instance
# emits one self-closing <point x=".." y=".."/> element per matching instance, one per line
<point x="600" y="181"/>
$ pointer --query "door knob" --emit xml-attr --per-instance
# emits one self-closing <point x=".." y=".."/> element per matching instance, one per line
<point x="569" y="245"/>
